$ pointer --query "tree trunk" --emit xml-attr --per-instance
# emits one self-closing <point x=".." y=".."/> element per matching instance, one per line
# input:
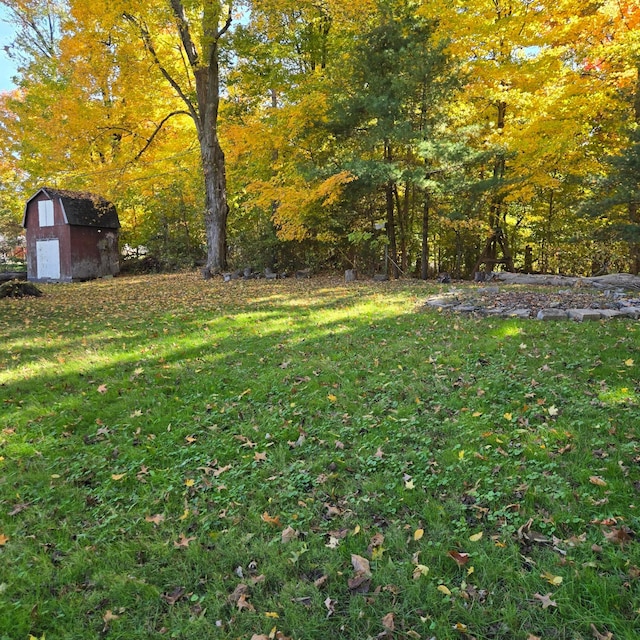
<point x="216" y="207"/>
<point x="424" y="274"/>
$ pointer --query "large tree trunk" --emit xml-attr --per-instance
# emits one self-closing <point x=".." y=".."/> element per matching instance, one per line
<point x="216" y="207"/>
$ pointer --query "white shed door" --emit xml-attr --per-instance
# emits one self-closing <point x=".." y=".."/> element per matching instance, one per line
<point x="48" y="256"/>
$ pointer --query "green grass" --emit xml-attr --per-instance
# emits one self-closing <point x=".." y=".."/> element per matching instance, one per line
<point x="139" y="412"/>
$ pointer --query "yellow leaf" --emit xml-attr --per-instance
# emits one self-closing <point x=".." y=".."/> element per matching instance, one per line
<point x="551" y="579"/>
<point x="420" y="570"/>
<point x="460" y="454"/>
<point x="409" y="484"/>
<point x="418" y="533"/>
<point x="598" y="480"/>
<point x="377" y="553"/>
<point x="476" y="536"/>
<point x="460" y="627"/>
<point x="443" y="589"/>
<point x="476" y="414"/>
<point x="508" y="416"/>
<point x="470" y="570"/>
<point x="3" y="539"/>
<point x="629" y="362"/>
<point x="332" y="398"/>
<point x="185" y="515"/>
<point x="356" y="530"/>
<point x="118" y="476"/>
<point x="271" y="614"/>
<point x="189" y="482"/>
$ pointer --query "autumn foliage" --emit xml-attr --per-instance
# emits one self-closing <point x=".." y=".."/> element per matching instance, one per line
<point x="350" y="131"/>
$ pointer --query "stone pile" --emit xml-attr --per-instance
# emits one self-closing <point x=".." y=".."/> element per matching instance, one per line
<point x="563" y="305"/>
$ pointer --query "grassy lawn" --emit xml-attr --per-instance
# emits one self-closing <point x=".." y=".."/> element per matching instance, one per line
<point x="311" y="460"/>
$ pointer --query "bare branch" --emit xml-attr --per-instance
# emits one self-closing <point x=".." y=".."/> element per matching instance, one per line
<point x="157" y="130"/>
<point x="185" y="34"/>
<point x="148" y="43"/>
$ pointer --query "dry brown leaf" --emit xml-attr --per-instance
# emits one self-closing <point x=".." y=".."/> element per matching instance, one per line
<point x="3" y="539"/>
<point x="174" y="596"/>
<point x="598" y="480"/>
<point x="388" y="622"/>
<point x="607" y="635"/>
<point x="243" y="603"/>
<point x="321" y="581"/>
<point x="360" y="564"/>
<point x="331" y="606"/>
<point x="460" y="558"/>
<point x="157" y="519"/>
<point x="220" y="470"/>
<point x="545" y="600"/>
<point x="288" y="535"/>
<point x="619" y="536"/>
<point x="273" y="520"/>
<point x="183" y="541"/>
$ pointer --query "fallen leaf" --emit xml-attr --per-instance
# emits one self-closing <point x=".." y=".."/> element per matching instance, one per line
<point x="545" y="600"/>
<point x="260" y="457"/>
<point x="551" y="579"/>
<point x="109" y="616"/>
<point x="598" y="480"/>
<point x="320" y="582"/>
<point x="183" y="541"/>
<point x="19" y="508"/>
<point x="459" y="626"/>
<point x="273" y="520"/>
<point x="288" y="535"/>
<point x="532" y="637"/>
<point x="333" y="543"/>
<point x="460" y="558"/>
<point x="417" y="534"/>
<point x="409" y="484"/>
<point x="553" y="411"/>
<point x="174" y="596"/>
<point x="240" y="590"/>
<point x="189" y="482"/>
<point x="102" y="388"/>
<point x="243" y="603"/>
<point x="118" y="476"/>
<point x="331" y="606"/>
<point x="220" y="470"/>
<point x="332" y="398"/>
<point x="607" y="635"/>
<point x="379" y="453"/>
<point x="388" y="622"/>
<point x="271" y="614"/>
<point x="619" y="536"/>
<point x="420" y="570"/>
<point x="443" y="589"/>
<point x="157" y="519"/>
<point x="362" y="576"/>
<point x="629" y="362"/>
<point x="476" y="536"/>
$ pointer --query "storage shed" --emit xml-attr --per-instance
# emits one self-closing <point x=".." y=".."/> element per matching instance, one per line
<point x="70" y="236"/>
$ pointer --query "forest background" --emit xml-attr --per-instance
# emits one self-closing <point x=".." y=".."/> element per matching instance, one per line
<point x="327" y="134"/>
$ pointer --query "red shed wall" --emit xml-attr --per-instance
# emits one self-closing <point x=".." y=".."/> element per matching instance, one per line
<point x="94" y="252"/>
<point x="59" y="230"/>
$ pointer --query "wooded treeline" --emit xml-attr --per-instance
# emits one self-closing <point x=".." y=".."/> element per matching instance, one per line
<point x="444" y="135"/>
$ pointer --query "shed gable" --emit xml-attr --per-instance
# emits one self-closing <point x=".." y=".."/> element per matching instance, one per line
<point x="79" y="209"/>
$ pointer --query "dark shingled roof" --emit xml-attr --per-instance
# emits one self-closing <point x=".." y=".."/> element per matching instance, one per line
<point x="85" y="209"/>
